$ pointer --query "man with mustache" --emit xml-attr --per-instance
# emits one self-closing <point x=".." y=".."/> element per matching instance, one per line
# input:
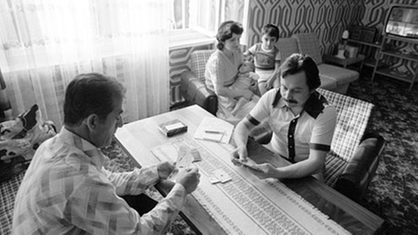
<point x="302" y="121"/>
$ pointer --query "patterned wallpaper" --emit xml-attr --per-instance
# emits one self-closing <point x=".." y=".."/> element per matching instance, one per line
<point x="327" y="18"/>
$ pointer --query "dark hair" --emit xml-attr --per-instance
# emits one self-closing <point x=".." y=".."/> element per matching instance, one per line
<point x="297" y="63"/>
<point x="225" y="31"/>
<point x="271" y="30"/>
<point x="91" y="93"/>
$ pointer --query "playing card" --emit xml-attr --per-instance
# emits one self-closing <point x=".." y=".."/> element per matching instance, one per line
<point x="184" y="157"/>
<point x="221" y="175"/>
<point x="196" y="155"/>
<point x="213" y="180"/>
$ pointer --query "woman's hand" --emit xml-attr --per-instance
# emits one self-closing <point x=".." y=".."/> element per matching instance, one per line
<point x="239" y="155"/>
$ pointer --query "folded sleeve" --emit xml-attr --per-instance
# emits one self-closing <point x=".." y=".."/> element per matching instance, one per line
<point x="133" y="182"/>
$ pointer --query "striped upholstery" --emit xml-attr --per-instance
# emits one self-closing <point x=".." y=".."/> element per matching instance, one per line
<point x="198" y="63"/>
<point x="309" y="44"/>
<point x="352" y="119"/>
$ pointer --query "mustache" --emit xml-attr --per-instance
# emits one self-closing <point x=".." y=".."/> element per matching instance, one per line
<point x="290" y="101"/>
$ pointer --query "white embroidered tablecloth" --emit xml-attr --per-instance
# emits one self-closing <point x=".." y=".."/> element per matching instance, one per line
<point x="248" y="205"/>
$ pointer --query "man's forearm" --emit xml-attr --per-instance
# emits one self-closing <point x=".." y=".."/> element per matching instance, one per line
<point x="241" y="134"/>
<point x="299" y="170"/>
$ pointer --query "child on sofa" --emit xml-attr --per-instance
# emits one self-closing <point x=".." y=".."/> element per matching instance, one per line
<point x="266" y="58"/>
<point x="246" y="79"/>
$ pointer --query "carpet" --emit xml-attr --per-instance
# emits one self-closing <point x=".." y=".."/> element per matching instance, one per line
<point x="393" y="192"/>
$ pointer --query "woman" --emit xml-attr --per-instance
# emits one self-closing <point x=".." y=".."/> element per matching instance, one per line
<point x="221" y="71"/>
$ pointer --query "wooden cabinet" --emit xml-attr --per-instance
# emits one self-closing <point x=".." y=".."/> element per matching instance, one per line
<point x="397" y="59"/>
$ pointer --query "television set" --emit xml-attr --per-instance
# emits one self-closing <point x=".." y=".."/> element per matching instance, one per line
<point x="402" y="21"/>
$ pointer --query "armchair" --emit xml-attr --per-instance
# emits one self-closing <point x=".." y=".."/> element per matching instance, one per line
<point x="354" y="156"/>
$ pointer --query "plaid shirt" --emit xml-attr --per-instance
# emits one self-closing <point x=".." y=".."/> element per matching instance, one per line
<point x="66" y="190"/>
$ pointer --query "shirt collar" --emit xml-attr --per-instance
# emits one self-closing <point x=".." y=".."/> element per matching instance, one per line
<point x="95" y="155"/>
<point x="313" y="106"/>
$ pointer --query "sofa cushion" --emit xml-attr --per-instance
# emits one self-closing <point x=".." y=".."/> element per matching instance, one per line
<point x="198" y="63"/>
<point x="339" y="75"/>
<point x="308" y="43"/>
<point x="328" y="83"/>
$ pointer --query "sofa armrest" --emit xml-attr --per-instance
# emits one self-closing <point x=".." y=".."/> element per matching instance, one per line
<point x="359" y="171"/>
<point x="195" y="91"/>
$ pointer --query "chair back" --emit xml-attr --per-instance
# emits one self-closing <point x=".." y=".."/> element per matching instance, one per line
<point x="352" y="119"/>
<point x="308" y="43"/>
<point x="198" y="61"/>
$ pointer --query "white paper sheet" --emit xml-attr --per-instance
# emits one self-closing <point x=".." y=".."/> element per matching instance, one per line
<point x="214" y="129"/>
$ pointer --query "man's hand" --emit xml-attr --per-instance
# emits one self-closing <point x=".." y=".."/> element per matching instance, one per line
<point x="239" y="155"/>
<point x="165" y="169"/>
<point x="189" y="178"/>
<point x="264" y="171"/>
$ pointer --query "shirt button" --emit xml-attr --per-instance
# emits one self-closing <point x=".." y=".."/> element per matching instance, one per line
<point x="290" y="146"/>
<point x="290" y="136"/>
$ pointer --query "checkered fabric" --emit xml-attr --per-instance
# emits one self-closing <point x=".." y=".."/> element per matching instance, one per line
<point x="309" y="44"/>
<point x="352" y="119"/>
<point x="198" y="62"/>
<point x="8" y="190"/>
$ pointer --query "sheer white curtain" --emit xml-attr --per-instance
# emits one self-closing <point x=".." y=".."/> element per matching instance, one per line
<point x="45" y="43"/>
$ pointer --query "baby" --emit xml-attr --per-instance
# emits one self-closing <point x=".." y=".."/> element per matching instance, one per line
<point x="247" y="79"/>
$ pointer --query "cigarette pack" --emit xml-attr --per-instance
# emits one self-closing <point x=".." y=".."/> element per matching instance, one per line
<point x="172" y="127"/>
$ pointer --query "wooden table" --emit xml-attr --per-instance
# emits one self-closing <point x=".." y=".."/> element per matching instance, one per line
<point x="137" y="138"/>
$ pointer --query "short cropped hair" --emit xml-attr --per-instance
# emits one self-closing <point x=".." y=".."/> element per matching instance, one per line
<point x="297" y="63"/>
<point x="225" y="31"/>
<point x="91" y="93"/>
<point x="271" y="30"/>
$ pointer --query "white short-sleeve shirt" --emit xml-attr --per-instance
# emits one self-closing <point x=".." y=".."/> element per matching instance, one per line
<point x="313" y="128"/>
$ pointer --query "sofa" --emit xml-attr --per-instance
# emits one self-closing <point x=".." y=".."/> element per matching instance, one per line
<point x="355" y="153"/>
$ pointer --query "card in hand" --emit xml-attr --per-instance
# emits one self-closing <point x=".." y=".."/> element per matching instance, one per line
<point x="184" y="157"/>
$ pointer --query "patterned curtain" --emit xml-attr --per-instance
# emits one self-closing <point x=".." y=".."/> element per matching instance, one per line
<point x="45" y="43"/>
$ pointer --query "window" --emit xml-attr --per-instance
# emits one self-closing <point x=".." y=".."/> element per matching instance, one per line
<point x="204" y="15"/>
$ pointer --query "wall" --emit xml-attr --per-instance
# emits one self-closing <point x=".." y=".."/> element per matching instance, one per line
<point x="327" y="18"/>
